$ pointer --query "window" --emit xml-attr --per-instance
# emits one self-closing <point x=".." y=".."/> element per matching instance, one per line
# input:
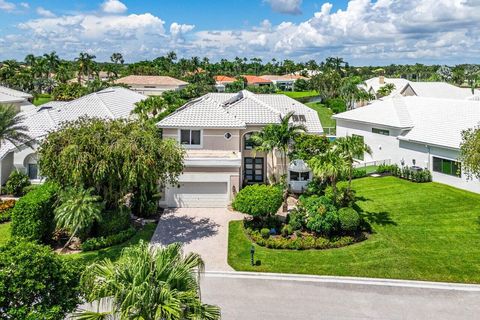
<point x="247" y="141"/>
<point x="299" y="118"/>
<point x="299" y="176"/>
<point x="151" y="87"/>
<point x="359" y="156"/>
<point x="253" y="170"/>
<point x="190" y="137"/>
<point x="32" y="171"/>
<point x="445" y="166"/>
<point x="228" y="135"/>
<point x="381" y="131"/>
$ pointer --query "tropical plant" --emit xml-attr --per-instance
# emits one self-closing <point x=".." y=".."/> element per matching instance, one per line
<point x="12" y="128"/>
<point x="306" y="146"/>
<point x="329" y="166"/>
<point x="36" y="283"/>
<point x="150" y="283"/>
<point x="470" y="153"/>
<point x="385" y="90"/>
<point x="16" y="183"/>
<point x="85" y="65"/>
<point x="352" y="148"/>
<point x="78" y="209"/>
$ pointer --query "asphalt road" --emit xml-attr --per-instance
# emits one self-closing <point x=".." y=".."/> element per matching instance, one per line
<point x="242" y="296"/>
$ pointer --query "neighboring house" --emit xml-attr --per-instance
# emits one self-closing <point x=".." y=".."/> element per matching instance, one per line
<point x="415" y="131"/>
<point x="215" y="129"/>
<point x="152" y="85"/>
<point x="221" y="82"/>
<point x="257" y="81"/>
<point x="406" y="88"/>
<point x="111" y="103"/>
<point x="20" y="100"/>
<point x="285" y="82"/>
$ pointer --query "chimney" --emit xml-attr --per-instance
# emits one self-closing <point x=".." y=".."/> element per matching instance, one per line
<point x="381" y="80"/>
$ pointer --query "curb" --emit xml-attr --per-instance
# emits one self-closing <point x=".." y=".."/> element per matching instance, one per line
<point x="345" y="280"/>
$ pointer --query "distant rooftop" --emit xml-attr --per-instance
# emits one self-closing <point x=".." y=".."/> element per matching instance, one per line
<point x="151" y="80"/>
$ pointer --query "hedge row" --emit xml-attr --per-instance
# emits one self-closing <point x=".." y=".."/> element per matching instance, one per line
<point x="104" y="242"/>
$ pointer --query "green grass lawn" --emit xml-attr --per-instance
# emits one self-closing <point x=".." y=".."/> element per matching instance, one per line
<point x="324" y="113"/>
<point x="4" y="232"/>
<point x="42" y="99"/>
<point x="421" y="231"/>
<point x="299" y="94"/>
<point x="113" y="252"/>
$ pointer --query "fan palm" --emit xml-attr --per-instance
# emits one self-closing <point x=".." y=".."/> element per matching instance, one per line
<point x="351" y="148"/>
<point x="12" y="128"/>
<point x="77" y="211"/>
<point x="329" y="166"/>
<point x="150" y="283"/>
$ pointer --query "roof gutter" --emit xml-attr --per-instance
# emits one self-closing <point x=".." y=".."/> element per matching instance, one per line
<point x="428" y="144"/>
<point x="372" y="123"/>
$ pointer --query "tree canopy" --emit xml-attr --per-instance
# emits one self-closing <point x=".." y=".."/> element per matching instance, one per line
<point x="470" y="153"/>
<point x="115" y="158"/>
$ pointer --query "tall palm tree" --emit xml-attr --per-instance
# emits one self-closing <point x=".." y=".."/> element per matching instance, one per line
<point x="77" y="211"/>
<point x="150" y="283"/>
<point x="52" y="62"/>
<point x="85" y="65"/>
<point x="12" y="128"/>
<point x="351" y="147"/>
<point x="329" y="166"/>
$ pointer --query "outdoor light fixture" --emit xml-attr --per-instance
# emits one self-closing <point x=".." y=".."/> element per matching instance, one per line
<point x="252" y="254"/>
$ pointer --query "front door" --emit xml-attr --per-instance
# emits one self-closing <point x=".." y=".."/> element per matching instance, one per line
<point x="253" y="170"/>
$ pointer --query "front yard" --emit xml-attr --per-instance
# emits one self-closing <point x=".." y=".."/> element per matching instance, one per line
<point x="423" y="231"/>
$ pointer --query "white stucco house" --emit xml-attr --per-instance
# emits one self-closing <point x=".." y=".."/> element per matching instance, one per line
<point x="111" y="103"/>
<point x="283" y="82"/>
<point x="415" y="131"/>
<point x="215" y="130"/>
<point x="152" y="85"/>
<point x="22" y="101"/>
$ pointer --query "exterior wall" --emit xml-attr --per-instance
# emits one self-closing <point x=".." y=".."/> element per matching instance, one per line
<point x="156" y="91"/>
<point x="211" y="139"/>
<point x="410" y="153"/>
<point x="6" y="168"/>
<point x="408" y="91"/>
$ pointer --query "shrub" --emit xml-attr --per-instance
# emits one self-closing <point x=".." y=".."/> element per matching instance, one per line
<point x="113" y="221"/>
<point x="296" y="219"/>
<point x="315" y="204"/>
<point x="315" y="187"/>
<point x="104" y="242"/>
<point x="345" y="197"/>
<point x="325" y="224"/>
<point x="31" y="187"/>
<point x="349" y="219"/>
<point x="36" y="283"/>
<point x="265" y="232"/>
<point x="5" y="210"/>
<point x="16" y="183"/>
<point x="259" y="200"/>
<point x="287" y="230"/>
<point x="359" y="173"/>
<point x="33" y="217"/>
<point x="337" y="105"/>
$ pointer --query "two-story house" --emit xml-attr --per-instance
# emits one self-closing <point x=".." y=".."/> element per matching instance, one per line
<point x="215" y="130"/>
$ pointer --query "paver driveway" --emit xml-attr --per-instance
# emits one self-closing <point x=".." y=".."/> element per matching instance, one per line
<point x="202" y="230"/>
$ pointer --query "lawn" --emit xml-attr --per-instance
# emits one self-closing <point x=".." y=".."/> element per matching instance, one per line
<point x="299" y="94"/>
<point x="113" y="252"/>
<point x="421" y="231"/>
<point x="4" y="232"/>
<point x="42" y="99"/>
<point x="324" y="113"/>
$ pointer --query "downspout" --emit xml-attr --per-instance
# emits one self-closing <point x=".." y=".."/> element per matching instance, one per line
<point x="428" y="162"/>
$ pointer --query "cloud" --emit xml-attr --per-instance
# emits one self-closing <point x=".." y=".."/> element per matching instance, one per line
<point x="25" y="5"/>
<point x="6" y="6"/>
<point x="178" y="30"/>
<point x="285" y="6"/>
<point x="45" y="13"/>
<point x="113" y="6"/>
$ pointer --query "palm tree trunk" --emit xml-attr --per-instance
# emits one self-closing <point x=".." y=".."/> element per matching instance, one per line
<point x="69" y="240"/>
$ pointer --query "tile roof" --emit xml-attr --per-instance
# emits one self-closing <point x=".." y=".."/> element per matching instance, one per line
<point x="151" y="80"/>
<point x="110" y="103"/>
<point x="286" y="77"/>
<point x="254" y="79"/>
<point x="225" y="110"/>
<point x="225" y="79"/>
<point x="15" y="93"/>
<point x="426" y="120"/>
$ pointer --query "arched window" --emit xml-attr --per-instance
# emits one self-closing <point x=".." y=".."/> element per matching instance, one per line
<point x="248" y="144"/>
<point x="31" y="165"/>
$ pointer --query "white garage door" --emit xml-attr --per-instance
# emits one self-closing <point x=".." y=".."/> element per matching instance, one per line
<point x="199" y="195"/>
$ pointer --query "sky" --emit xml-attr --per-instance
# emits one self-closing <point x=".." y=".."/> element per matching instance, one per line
<point x="363" y="32"/>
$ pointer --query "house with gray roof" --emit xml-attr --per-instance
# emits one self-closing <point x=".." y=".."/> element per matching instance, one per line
<point x="108" y="104"/>
<point x="215" y="130"/>
<point x="413" y="131"/>
<point x="20" y="100"/>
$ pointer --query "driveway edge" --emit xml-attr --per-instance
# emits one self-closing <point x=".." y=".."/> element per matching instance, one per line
<point x="345" y="280"/>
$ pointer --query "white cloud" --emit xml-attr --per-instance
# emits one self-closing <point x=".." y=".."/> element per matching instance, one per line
<point x="178" y="30"/>
<point x="25" y="5"/>
<point x="114" y="6"/>
<point x="45" y="13"/>
<point x="6" y="6"/>
<point x="285" y="6"/>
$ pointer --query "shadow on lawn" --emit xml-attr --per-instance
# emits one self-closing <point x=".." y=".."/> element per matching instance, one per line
<point x="381" y="218"/>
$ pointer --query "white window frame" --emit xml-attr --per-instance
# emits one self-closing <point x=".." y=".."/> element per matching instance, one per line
<point x="191" y="146"/>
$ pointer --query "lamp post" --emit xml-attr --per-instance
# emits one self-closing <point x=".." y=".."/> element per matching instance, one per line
<point x="252" y="254"/>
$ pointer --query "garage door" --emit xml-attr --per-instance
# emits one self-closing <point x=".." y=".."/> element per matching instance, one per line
<point x="199" y="195"/>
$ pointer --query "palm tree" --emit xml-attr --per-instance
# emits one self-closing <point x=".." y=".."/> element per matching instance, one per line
<point x="351" y="148"/>
<point x="329" y="166"/>
<point x="77" y="211"/>
<point x="85" y="65"/>
<point x="150" y="283"/>
<point x="11" y="127"/>
<point x="117" y="57"/>
<point x="385" y="90"/>
<point x="52" y="62"/>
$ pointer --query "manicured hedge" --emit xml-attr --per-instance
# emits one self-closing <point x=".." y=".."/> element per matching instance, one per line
<point x="16" y="183"/>
<point x="259" y="200"/>
<point x="33" y="217"/>
<point x="406" y="173"/>
<point x="103" y="242"/>
<point x="6" y="207"/>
